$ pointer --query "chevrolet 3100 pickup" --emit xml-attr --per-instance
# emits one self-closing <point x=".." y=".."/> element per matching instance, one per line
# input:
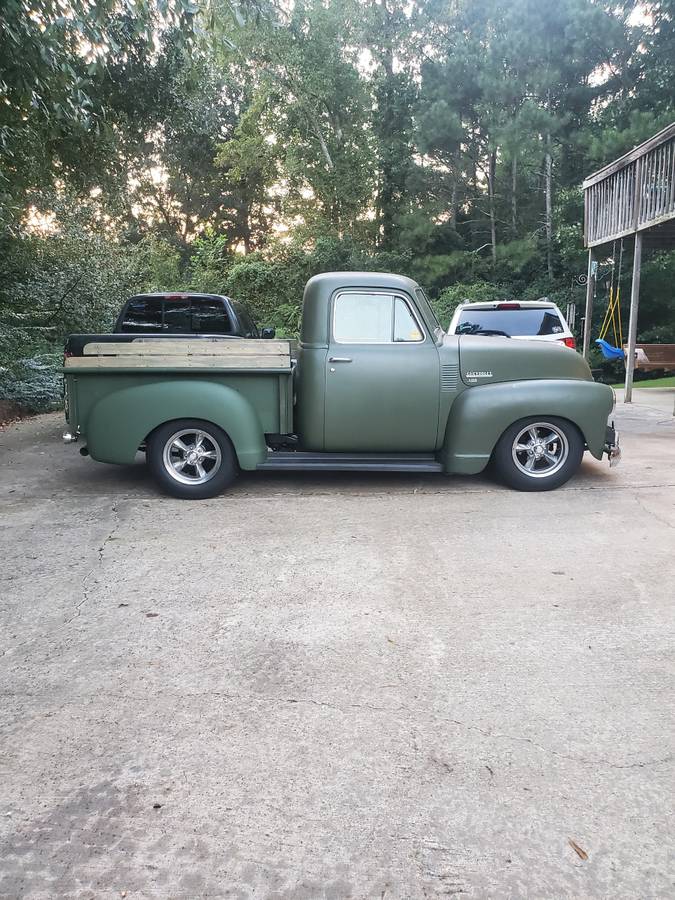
<point x="375" y="384"/>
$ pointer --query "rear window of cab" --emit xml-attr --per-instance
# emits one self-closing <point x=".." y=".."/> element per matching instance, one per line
<point x="148" y="315"/>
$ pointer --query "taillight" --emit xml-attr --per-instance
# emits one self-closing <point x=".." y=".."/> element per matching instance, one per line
<point x="569" y="342"/>
<point x="508" y="306"/>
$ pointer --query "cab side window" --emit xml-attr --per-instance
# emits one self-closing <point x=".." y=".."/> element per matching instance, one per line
<point x="365" y="318"/>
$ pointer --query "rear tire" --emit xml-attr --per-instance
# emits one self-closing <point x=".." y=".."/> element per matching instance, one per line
<point x="539" y="453"/>
<point x="191" y="459"/>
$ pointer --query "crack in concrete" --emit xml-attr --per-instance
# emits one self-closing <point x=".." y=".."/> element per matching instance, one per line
<point x="650" y="512"/>
<point x="253" y="494"/>
<point x="571" y="758"/>
<point x="485" y="732"/>
<point x="417" y="491"/>
<point x="262" y="698"/>
<point x="101" y="550"/>
<point x="85" y="590"/>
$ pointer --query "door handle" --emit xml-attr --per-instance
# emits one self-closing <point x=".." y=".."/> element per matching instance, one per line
<point x="339" y="359"/>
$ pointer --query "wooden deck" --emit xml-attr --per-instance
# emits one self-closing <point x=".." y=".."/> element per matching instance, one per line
<point x="634" y="193"/>
<point x="632" y="197"/>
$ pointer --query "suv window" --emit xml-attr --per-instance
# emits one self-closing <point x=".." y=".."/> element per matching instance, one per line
<point x="518" y="322"/>
<point x="143" y="315"/>
<point x="362" y="318"/>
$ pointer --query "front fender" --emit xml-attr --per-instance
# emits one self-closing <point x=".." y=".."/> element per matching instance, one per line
<point x="480" y="415"/>
<point x="120" y="421"/>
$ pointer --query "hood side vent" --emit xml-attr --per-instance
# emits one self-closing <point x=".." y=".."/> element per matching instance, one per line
<point x="449" y="377"/>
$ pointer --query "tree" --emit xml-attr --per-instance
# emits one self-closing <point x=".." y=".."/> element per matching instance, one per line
<point x="54" y="56"/>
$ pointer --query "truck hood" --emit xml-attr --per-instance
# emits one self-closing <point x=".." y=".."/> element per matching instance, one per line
<point x="486" y="360"/>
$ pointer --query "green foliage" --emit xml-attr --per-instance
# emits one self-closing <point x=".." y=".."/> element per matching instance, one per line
<point x="29" y="376"/>
<point x="470" y="292"/>
<point x="56" y="116"/>
<point x="73" y="279"/>
<point x="158" y="263"/>
<point x="67" y="282"/>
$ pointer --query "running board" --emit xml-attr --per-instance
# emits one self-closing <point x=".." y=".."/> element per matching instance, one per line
<point x="296" y="460"/>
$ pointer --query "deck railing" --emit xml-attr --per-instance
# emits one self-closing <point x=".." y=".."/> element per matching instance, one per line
<point x="635" y="192"/>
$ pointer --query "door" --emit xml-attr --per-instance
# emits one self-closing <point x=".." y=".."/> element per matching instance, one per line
<point x="382" y="376"/>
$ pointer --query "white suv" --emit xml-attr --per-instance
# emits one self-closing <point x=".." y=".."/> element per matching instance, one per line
<point x="531" y="320"/>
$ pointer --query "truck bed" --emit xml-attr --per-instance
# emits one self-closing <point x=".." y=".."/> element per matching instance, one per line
<point x="258" y="371"/>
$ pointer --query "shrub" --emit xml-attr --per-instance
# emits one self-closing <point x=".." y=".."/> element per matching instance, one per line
<point x="29" y="374"/>
<point x="472" y="292"/>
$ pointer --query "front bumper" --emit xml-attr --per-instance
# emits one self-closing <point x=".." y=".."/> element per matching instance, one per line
<point x="612" y="446"/>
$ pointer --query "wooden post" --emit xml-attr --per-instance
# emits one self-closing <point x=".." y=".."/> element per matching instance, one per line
<point x="590" y="294"/>
<point x="632" y="324"/>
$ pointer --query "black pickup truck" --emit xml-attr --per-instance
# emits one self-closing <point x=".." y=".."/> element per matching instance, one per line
<point x="176" y="315"/>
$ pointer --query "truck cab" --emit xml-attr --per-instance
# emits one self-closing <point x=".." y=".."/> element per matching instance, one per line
<point x="368" y="375"/>
<point x="375" y="384"/>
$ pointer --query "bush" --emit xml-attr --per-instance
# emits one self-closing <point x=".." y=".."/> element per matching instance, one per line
<point x="472" y="292"/>
<point x="53" y="284"/>
<point x="29" y="375"/>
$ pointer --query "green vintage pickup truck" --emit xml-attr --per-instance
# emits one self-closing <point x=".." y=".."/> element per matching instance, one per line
<point x="375" y="384"/>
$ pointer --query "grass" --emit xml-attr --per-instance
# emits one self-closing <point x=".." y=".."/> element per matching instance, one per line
<point x="667" y="382"/>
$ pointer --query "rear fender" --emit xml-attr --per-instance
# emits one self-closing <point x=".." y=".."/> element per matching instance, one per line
<point x="480" y="415"/>
<point x="122" y="420"/>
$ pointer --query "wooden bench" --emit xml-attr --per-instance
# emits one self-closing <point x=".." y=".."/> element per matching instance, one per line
<point x="654" y="356"/>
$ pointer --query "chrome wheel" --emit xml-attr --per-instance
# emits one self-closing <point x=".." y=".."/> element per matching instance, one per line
<point x="540" y="449"/>
<point x="192" y="456"/>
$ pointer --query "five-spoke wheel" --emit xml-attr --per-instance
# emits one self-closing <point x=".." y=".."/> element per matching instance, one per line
<point x="191" y="459"/>
<point x="192" y="456"/>
<point x="538" y="454"/>
<point x="540" y="449"/>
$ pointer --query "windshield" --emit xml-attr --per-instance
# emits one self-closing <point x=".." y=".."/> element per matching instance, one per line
<point x="512" y="322"/>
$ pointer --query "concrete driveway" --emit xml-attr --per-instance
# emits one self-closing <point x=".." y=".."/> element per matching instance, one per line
<point x="336" y="686"/>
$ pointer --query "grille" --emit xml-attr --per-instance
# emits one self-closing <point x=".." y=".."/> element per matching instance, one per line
<point x="449" y="377"/>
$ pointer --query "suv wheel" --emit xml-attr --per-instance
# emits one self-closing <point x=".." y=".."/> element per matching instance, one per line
<point x="538" y="454"/>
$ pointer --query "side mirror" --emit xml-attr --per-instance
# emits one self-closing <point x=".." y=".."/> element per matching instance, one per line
<point x="268" y="333"/>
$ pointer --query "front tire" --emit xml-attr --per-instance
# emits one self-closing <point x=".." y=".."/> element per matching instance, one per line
<point x="191" y="459"/>
<point x="538" y="454"/>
